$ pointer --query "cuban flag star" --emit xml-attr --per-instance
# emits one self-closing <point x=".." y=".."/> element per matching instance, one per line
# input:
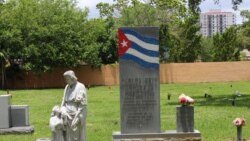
<point x="143" y="50"/>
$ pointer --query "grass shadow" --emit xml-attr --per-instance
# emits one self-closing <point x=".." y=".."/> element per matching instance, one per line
<point x="220" y="100"/>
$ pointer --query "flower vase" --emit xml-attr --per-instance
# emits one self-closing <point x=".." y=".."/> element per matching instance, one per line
<point x="185" y="118"/>
<point x="239" y="133"/>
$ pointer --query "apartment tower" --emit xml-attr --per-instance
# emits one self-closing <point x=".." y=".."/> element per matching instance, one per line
<point x="216" y="21"/>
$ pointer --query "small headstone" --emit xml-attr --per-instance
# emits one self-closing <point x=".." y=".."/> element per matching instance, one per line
<point x="233" y="102"/>
<point x="205" y="95"/>
<point x="19" y="115"/>
<point x="185" y="118"/>
<point x="5" y="101"/>
<point x="169" y="96"/>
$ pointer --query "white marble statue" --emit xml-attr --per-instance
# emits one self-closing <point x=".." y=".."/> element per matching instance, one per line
<point x="73" y="112"/>
<point x="74" y="108"/>
<point x="56" y="124"/>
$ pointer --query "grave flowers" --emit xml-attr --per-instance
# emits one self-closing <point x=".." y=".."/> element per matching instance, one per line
<point x="239" y="122"/>
<point x="185" y="100"/>
<point x="185" y="114"/>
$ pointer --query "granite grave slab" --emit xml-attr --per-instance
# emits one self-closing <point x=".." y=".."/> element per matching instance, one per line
<point x="5" y="101"/>
<point x="19" y="115"/>
<point x="139" y="80"/>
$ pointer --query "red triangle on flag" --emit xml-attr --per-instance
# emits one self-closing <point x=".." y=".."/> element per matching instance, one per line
<point x="123" y="43"/>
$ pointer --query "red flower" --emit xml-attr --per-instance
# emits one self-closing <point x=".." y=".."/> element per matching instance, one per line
<point x="185" y="100"/>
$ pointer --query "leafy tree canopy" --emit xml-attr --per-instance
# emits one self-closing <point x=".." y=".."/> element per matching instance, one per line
<point x="226" y="46"/>
<point x="43" y="33"/>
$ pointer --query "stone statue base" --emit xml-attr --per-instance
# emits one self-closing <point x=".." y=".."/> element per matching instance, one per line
<point x="17" y="130"/>
<point x="169" y="135"/>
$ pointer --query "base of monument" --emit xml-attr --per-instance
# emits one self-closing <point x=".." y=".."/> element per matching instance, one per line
<point x="17" y="130"/>
<point x="169" y="135"/>
<point x="43" y="139"/>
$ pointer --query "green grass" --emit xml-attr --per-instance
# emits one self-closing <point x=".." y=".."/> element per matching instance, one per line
<point x="213" y="116"/>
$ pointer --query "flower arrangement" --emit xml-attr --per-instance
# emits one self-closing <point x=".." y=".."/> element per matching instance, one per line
<point x="185" y="100"/>
<point x="239" y="122"/>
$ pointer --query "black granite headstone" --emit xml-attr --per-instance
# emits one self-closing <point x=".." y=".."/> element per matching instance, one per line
<point x="185" y="118"/>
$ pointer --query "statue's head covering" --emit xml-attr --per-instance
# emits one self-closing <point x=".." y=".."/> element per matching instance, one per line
<point x="71" y="74"/>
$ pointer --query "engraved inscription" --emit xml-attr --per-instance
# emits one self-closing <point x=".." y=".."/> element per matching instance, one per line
<point x="139" y="100"/>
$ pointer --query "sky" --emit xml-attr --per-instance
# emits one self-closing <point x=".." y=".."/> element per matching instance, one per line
<point x="224" y="5"/>
<point x="91" y="4"/>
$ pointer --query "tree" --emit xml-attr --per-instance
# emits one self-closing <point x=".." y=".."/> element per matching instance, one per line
<point x="42" y="33"/>
<point x="245" y="14"/>
<point x="2" y="1"/>
<point x="135" y="13"/>
<point x="108" y="38"/>
<point x="101" y="45"/>
<point x="226" y="46"/>
<point x="145" y="13"/>
<point x="190" y="43"/>
<point x="170" y="50"/>
<point x="105" y="9"/>
<point x="235" y="3"/>
<point x="244" y="35"/>
<point x="108" y="52"/>
<point x="206" y="50"/>
<point x="183" y="40"/>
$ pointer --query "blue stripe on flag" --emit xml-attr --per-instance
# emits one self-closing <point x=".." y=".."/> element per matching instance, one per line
<point x="140" y="61"/>
<point x="139" y="36"/>
<point x="145" y="51"/>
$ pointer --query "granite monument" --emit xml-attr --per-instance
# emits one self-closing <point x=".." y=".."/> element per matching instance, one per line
<point x="140" y="88"/>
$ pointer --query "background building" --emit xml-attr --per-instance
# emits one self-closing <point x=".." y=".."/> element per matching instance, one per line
<point x="216" y="21"/>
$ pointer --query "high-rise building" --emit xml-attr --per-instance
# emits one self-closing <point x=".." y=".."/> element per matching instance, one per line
<point x="216" y="21"/>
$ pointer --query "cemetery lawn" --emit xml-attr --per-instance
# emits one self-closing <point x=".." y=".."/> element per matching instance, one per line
<point x="213" y="115"/>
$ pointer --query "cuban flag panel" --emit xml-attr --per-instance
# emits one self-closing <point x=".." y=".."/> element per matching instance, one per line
<point x="139" y="79"/>
<point x="142" y="49"/>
